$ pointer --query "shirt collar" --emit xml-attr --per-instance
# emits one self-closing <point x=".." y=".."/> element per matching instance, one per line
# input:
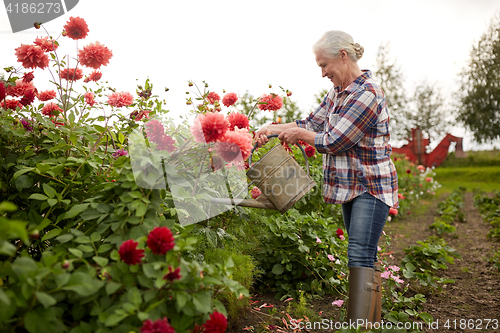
<point x="356" y="83"/>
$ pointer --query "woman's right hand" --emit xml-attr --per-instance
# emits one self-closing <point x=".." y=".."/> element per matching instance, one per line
<point x="261" y="135"/>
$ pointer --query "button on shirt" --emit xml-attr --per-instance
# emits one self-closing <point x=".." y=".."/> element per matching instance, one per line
<point x="352" y="129"/>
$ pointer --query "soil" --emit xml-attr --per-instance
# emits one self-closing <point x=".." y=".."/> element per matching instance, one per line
<point x="463" y="306"/>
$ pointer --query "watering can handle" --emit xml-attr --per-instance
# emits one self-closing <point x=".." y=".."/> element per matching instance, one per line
<point x="275" y="136"/>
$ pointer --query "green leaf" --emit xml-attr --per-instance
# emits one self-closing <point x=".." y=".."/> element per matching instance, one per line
<point x="49" y="190"/>
<point x="38" y="196"/>
<point x="76" y="210"/>
<point x="202" y="302"/>
<point x="51" y="234"/>
<point x="21" y="172"/>
<point x="23" y="182"/>
<point x="52" y="202"/>
<point x="4" y="298"/>
<point x="41" y="320"/>
<point x="426" y="317"/>
<point x="43" y="168"/>
<point x="45" y="299"/>
<point x="121" y="138"/>
<point x="112" y="287"/>
<point x="278" y="269"/>
<point x="115" y="318"/>
<point x="134" y="296"/>
<point x="101" y="261"/>
<point x="83" y="284"/>
<point x="64" y="238"/>
<point x="77" y="253"/>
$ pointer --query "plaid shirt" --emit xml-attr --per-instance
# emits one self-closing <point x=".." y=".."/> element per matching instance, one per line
<point x="352" y="129"/>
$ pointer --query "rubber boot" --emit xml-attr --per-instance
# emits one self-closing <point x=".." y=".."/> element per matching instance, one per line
<point x="376" y="302"/>
<point x="361" y="281"/>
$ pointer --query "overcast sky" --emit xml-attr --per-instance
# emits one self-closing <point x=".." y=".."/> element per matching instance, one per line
<point x="244" y="46"/>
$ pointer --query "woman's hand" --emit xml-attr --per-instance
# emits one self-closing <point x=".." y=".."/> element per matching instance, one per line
<point x="291" y="135"/>
<point x="261" y="135"/>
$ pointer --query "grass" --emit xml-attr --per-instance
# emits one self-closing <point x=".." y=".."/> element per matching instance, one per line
<point x="487" y="178"/>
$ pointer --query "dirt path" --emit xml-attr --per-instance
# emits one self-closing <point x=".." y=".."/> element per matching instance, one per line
<point x="469" y="302"/>
<point x="465" y="305"/>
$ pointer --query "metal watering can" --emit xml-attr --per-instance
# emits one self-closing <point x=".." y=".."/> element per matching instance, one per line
<point x="280" y="178"/>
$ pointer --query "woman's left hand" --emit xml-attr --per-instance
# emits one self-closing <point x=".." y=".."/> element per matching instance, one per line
<point x="291" y="135"/>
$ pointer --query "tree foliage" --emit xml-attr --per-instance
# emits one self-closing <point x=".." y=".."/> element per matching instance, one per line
<point x="428" y="111"/>
<point x="389" y="76"/>
<point x="480" y="87"/>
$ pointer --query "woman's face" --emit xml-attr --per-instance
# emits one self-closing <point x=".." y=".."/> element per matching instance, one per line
<point x="332" y="68"/>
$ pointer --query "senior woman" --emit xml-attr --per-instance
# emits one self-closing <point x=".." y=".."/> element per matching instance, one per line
<point x="351" y="129"/>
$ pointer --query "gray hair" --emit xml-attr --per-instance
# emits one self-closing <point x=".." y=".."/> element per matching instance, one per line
<point x="333" y="41"/>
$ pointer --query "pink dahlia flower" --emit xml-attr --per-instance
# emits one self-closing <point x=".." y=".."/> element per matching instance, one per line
<point x="46" y="44"/>
<point x="76" y="28"/>
<point x="49" y="108"/>
<point x="229" y="99"/>
<point x="47" y="95"/>
<point x="212" y="97"/>
<point x="233" y="144"/>
<point x="270" y="102"/>
<point x="94" y="55"/>
<point x="209" y="127"/>
<point x="32" y="56"/>
<point x="237" y="119"/>
<point x="120" y="99"/>
<point x="71" y="74"/>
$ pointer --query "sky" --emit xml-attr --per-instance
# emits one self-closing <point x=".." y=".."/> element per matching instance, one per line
<point x="244" y="46"/>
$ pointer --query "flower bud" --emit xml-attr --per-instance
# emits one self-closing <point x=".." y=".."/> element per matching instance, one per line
<point x="15" y="121"/>
<point x="35" y="234"/>
<point x="65" y="264"/>
<point x="37" y="25"/>
<point x="190" y="84"/>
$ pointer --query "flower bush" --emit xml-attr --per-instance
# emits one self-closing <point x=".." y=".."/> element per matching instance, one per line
<point x="82" y="246"/>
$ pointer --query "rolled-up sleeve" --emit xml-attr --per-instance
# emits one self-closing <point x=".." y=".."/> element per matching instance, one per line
<point x="316" y="119"/>
<point x="354" y="120"/>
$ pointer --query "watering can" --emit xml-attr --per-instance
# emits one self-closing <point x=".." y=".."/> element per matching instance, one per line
<point x="280" y="178"/>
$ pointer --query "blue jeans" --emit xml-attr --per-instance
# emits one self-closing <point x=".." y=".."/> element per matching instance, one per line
<point x="364" y="219"/>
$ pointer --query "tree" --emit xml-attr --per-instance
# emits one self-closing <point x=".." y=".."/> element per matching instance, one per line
<point x="389" y="76"/>
<point x="427" y="111"/>
<point x="480" y="87"/>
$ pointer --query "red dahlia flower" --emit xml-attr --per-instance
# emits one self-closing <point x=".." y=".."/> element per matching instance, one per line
<point x="212" y="97"/>
<point x="270" y="102"/>
<point x="28" y="98"/>
<point x="172" y="274"/>
<point x="95" y="76"/>
<point x="11" y="104"/>
<point x="46" y="95"/>
<point x="158" y="326"/>
<point x="129" y="252"/>
<point x="20" y="88"/>
<point x="229" y="99"/>
<point x="139" y="115"/>
<point x="89" y="98"/>
<point x="28" y="77"/>
<point x="156" y="133"/>
<point x="237" y="119"/>
<point x="94" y="55"/>
<point x="310" y="151"/>
<point x="255" y="192"/>
<point x="393" y="211"/>
<point x="340" y="232"/>
<point x="76" y="28"/>
<point x="209" y="127"/>
<point x="160" y="240"/>
<point x="32" y="56"/>
<point x="49" y="108"/>
<point x="120" y="99"/>
<point x="2" y="91"/>
<point x="216" y="324"/>
<point x="46" y="44"/>
<point x="233" y="144"/>
<point x="71" y="74"/>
